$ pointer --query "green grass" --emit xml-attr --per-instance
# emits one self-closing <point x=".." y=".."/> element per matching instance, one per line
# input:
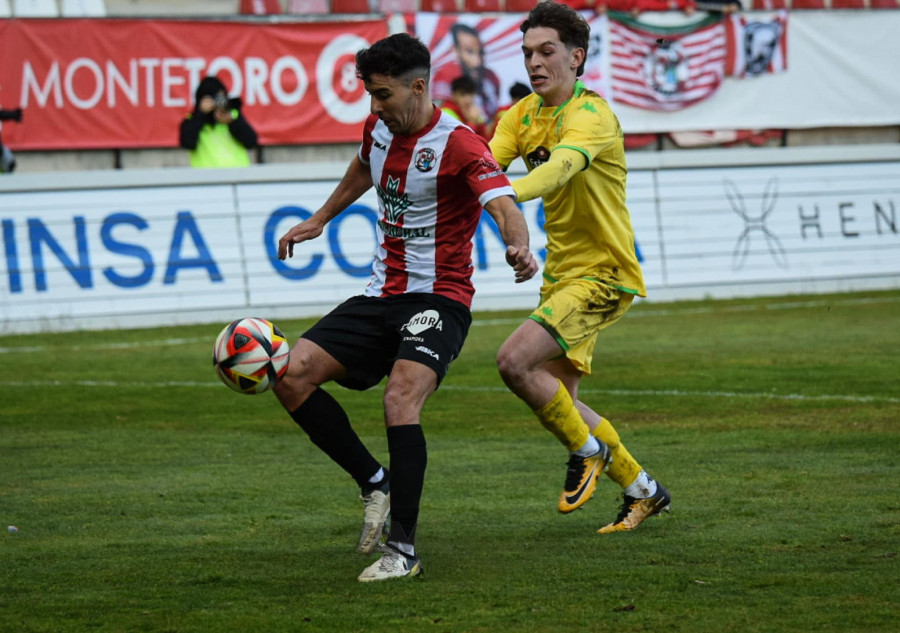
<point x="148" y="497"/>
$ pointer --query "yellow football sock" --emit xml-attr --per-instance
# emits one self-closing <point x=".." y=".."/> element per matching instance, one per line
<point x="560" y="417"/>
<point x="624" y="468"/>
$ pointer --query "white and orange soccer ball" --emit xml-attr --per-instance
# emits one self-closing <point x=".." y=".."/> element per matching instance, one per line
<point x="250" y="355"/>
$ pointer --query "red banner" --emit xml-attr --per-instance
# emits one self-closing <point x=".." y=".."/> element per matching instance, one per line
<point x="666" y="72"/>
<point x="95" y="84"/>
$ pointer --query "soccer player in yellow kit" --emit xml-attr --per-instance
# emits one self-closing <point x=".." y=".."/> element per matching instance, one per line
<point x="573" y="147"/>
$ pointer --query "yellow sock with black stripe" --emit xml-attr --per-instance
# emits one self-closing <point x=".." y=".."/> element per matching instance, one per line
<point x="624" y="469"/>
<point x="560" y="417"/>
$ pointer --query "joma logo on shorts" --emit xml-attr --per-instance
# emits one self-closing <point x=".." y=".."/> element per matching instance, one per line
<point x="424" y="321"/>
<point x="425" y="350"/>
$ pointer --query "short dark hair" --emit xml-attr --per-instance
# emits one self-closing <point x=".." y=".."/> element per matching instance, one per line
<point x="464" y="84"/>
<point x="400" y="56"/>
<point x="519" y="90"/>
<point x="460" y="27"/>
<point x="572" y="28"/>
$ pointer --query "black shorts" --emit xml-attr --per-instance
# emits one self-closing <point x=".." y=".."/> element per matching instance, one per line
<point x="367" y="334"/>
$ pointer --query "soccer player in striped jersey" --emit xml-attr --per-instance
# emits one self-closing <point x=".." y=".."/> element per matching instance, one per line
<point x="433" y="175"/>
<point x="573" y="148"/>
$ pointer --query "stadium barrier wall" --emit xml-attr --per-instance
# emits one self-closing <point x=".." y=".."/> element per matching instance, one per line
<point x="112" y="249"/>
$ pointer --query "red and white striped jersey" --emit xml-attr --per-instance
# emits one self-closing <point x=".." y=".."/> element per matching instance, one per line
<point x="431" y="186"/>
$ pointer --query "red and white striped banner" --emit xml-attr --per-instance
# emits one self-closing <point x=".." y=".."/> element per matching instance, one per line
<point x="666" y="71"/>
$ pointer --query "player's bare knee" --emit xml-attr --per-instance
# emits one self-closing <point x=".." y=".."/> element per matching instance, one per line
<point x="294" y="387"/>
<point x="300" y="364"/>
<point x="510" y="366"/>
<point x="406" y="392"/>
<point x="399" y="406"/>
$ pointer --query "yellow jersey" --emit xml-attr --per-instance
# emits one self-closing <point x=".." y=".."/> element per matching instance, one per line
<point x="588" y="226"/>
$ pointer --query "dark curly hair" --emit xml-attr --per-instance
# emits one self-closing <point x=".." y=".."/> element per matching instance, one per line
<point x="573" y="29"/>
<point x="400" y="56"/>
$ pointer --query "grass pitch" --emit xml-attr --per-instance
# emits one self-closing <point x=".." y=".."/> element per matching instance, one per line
<point x="149" y="497"/>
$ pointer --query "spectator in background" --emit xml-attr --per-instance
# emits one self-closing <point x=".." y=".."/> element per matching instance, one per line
<point x="462" y="106"/>
<point x="634" y="7"/>
<point x="469" y="62"/>
<point x="517" y="92"/>
<point x="723" y="6"/>
<point x="7" y="160"/>
<point x="216" y="133"/>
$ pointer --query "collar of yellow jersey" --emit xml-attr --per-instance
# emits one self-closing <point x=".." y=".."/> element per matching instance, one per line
<point x="579" y="88"/>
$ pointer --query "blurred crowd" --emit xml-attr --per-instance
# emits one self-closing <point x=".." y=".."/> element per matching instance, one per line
<point x="636" y="7"/>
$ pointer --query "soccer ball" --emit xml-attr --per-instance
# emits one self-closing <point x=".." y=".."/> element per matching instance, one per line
<point x="250" y="355"/>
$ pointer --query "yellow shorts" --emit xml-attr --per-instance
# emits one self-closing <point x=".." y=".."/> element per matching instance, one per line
<point x="574" y="311"/>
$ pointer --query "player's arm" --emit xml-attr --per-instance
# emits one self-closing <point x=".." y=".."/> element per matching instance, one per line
<point x="241" y="130"/>
<point x="356" y="181"/>
<point x="590" y="130"/>
<point x="514" y="232"/>
<point x="189" y="131"/>
<point x="564" y="163"/>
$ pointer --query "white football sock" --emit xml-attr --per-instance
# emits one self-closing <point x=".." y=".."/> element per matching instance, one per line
<point x="406" y="548"/>
<point x="590" y="447"/>
<point x="642" y="487"/>
<point x="377" y="477"/>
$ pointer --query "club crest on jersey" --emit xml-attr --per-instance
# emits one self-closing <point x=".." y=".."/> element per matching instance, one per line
<point x="424" y="321"/>
<point x="395" y="203"/>
<point x="395" y="207"/>
<point x="425" y="159"/>
<point x="538" y="157"/>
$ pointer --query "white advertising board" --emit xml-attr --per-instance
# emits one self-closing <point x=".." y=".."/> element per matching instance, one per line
<point x="771" y="224"/>
<point x="99" y="252"/>
<point x="192" y="249"/>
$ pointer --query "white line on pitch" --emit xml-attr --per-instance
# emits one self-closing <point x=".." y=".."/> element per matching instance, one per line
<point x="707" y="394"/>
<point x="122" y="345"/>
<point x="787" y="305"/>
<point x="678" y="393"/>
<point x="505" y="321"/>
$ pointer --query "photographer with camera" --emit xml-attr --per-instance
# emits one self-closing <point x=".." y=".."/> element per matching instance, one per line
<point x="7" y="160"/>
<point x="216" y="133"/>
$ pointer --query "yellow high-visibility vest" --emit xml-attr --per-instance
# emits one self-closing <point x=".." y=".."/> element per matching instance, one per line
<point x="216" y="147"/>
